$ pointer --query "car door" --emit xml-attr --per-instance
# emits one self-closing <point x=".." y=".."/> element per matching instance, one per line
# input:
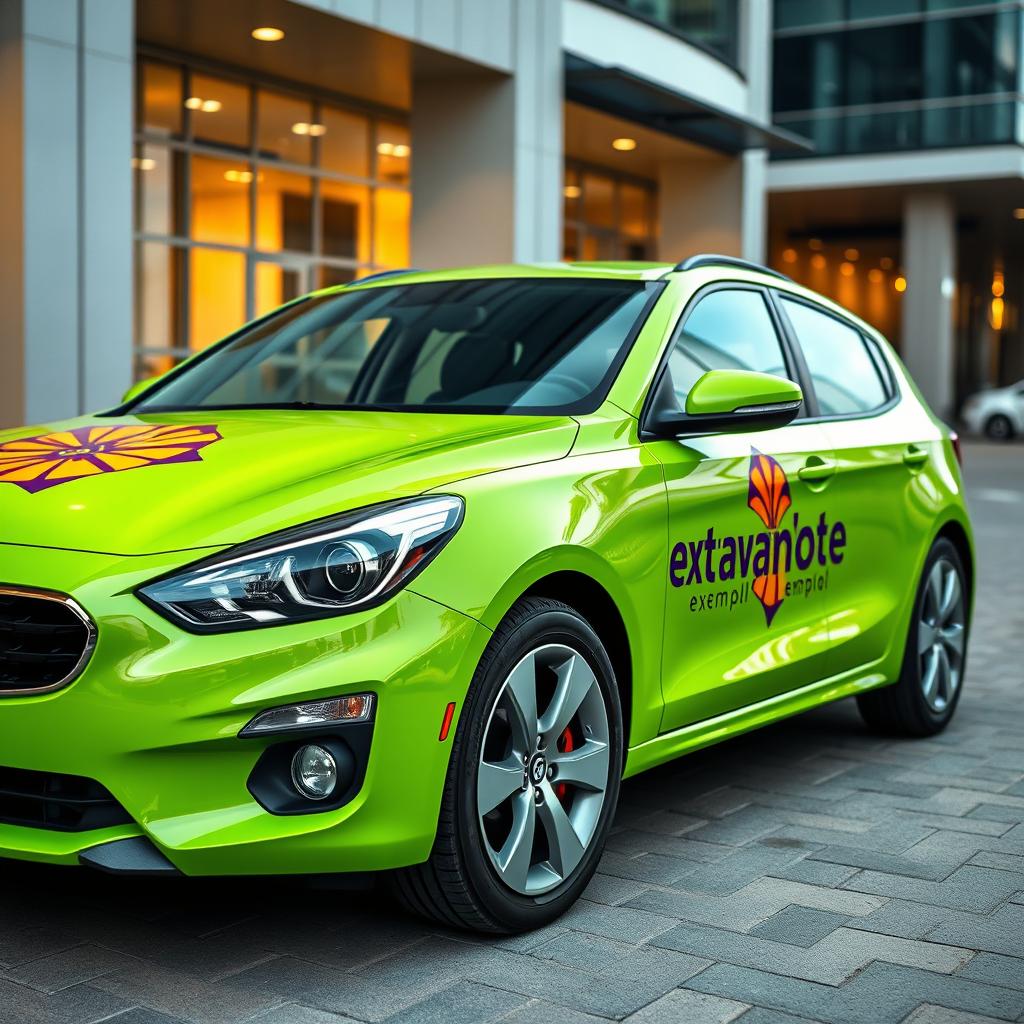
<point x="747" y="513"/>
<point x="882" y="452"/>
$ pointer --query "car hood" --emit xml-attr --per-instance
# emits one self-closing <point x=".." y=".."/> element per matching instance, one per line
<point x="155" y="483"/>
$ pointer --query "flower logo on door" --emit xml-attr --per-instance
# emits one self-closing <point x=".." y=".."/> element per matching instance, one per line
<point x="36" y="463"/>
<point x="768" y="496"/>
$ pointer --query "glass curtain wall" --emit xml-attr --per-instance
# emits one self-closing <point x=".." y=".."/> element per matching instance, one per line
<point x="711" y="24"/>
<point x="607" y="216"/>
<point x="247" y="196"/>
<point x="863" y="76"/>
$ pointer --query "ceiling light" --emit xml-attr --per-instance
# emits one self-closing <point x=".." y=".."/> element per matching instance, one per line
<point x="875" y="276"/>
<point x="900" y="284"/>
<point x="572" y="191"/>
<point x="386" y="148"/>
<point x="846" y="269"/>
<point x="242" y="177"/>
<point x="818" y="261"/>
<point x="624" y="145"/>
<point x="401" y="150"/>
<point x="300" y="128"/>
<point x="193" y="103"/>
<point x="143" y="163"/>
<point x="317" y="130"/>
<point x="789" y="256"/>
<point x="210" y="106"/>
<point x="268" y="34"/>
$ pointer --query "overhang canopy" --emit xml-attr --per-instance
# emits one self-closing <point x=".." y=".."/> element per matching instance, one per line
<point x="628" y="95"/>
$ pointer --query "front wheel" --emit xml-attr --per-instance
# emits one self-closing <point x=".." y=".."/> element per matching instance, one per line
<point x="999" y="428"/>
<point x="533" y="779"/>
<point x="922" y="702"/>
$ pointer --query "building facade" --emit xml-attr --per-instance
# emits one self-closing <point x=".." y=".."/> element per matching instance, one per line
<point x="173" y="168"/>
<point x="910" y="210"/>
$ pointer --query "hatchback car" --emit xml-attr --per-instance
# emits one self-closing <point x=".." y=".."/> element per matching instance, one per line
<point x="409" y="574"/>
<point x="997" y="413"/>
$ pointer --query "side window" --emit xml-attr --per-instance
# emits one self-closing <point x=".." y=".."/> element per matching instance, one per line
<point x="730" y="329"/>
<point x="845" y="376"/>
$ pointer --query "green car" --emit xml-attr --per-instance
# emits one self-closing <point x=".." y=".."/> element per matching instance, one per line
<point x="408" y="575"/>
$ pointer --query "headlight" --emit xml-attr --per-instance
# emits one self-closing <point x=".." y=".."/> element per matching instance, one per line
<point x="332" y="566"/>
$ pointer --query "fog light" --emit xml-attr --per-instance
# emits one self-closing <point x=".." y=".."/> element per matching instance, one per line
<point x="314" y="772"/>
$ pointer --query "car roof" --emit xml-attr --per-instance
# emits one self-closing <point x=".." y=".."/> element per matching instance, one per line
<point x="703" y="269"/>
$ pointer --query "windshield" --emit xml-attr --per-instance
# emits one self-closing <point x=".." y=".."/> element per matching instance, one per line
<point x="521" y="345"/>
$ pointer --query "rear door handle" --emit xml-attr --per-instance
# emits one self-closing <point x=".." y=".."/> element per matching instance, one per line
<point x="816" y="469"/>
<point x="915" y="456"/>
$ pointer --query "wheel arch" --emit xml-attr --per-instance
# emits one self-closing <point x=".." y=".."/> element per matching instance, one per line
<point x="954" y="532"/>
<point x="596" y="605"/>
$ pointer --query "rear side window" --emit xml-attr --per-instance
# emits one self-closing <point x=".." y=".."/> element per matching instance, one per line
<point x="846" y="378"/>
<point x="729" y="329"/>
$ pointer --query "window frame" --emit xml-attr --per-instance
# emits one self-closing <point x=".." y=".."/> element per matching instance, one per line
<point x="793" y="359"/>
<point x="882" y="366"/>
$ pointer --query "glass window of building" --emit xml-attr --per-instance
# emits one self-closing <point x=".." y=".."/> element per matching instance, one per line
<point x="712" y="24"/>
<point x="246" y="197"/>
<point x="607" y="216"/>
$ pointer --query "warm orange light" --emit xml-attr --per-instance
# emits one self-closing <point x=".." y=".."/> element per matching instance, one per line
<point x="193" y="103"/>
<point x="815" y="244"/>
<point x="240" y="177"/>
<point x="852" y="254"/>
<point x="268" y="34"/>
<point x="206" y="106"/>
<point x="399" y="149"/>
<point x="789" y="256"/>
<point x="818" y="261"/>
<point x="875" y="276"/>
<point x="572" y="191"/>
<point x="846" y="269"/>
<point x="998" y="284"/>
<point x="996" y="314"/>
<point x="900" y="284"/>
<point x="143" y="163"/>
<point x="624" y="145"/>
<point x="1019" y="213"/>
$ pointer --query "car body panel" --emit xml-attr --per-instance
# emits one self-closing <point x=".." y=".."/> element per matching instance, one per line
<point x="155" y="715"/>
<point x="981" y="407"/>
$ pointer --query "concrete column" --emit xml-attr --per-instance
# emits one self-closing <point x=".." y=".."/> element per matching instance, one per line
<point x="701" y="206"/>
<point x="487" y="153"/>
<point x="65" y="338"/>
<point x="929" y="260"/>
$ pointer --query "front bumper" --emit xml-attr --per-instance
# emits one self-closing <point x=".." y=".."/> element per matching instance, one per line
<point x="156" y="714"/>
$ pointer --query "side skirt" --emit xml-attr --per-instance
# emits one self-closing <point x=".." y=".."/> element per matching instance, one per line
<point x="671" y="745"/>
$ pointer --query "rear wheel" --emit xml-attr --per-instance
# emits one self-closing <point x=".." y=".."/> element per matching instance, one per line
<point x="999" y="427"/>
<point x="922" y="702"/>
<point x="533" y="779"/>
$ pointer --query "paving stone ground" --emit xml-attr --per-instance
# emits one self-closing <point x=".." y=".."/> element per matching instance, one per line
<point x="808" y="872"/>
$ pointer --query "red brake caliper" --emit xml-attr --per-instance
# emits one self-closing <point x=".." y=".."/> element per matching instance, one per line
<point x="565" y="745"/>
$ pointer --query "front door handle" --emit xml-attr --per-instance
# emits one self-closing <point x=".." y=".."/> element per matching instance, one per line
<point x="915" y="455"/>
<point x="816" y="469"/>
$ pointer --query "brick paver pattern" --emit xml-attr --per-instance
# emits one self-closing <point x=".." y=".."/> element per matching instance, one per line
<point x="807" y="872"/>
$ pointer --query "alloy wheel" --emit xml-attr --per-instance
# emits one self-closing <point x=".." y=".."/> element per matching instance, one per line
<point x="542" y="774"/>
<point x="941" y="636"/>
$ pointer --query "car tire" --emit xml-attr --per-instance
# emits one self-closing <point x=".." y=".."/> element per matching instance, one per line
<point x="923" y="700"/>
<point x="547" y="648"/>
<point x="999" y="428"/>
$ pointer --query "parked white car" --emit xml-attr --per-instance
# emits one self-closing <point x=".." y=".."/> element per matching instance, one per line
<point x="998" y="414"/>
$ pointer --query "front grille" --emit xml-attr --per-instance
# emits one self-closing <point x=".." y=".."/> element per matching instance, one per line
<point x="62" y="803"/>
<point x="45" y="641"/>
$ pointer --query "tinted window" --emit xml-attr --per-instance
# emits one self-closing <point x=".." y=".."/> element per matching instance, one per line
<point x="727" y="330"/>
<point x="845" y="377"/>
<point x="519" y="345"/>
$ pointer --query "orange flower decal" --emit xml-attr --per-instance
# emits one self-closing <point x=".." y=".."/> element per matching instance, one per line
<point x="768" y="496"/>
<point x="35" y="463"/>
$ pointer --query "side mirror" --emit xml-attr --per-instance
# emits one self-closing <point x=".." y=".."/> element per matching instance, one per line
<point x="724" y="401"/>
<point x="138" y="387"/>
